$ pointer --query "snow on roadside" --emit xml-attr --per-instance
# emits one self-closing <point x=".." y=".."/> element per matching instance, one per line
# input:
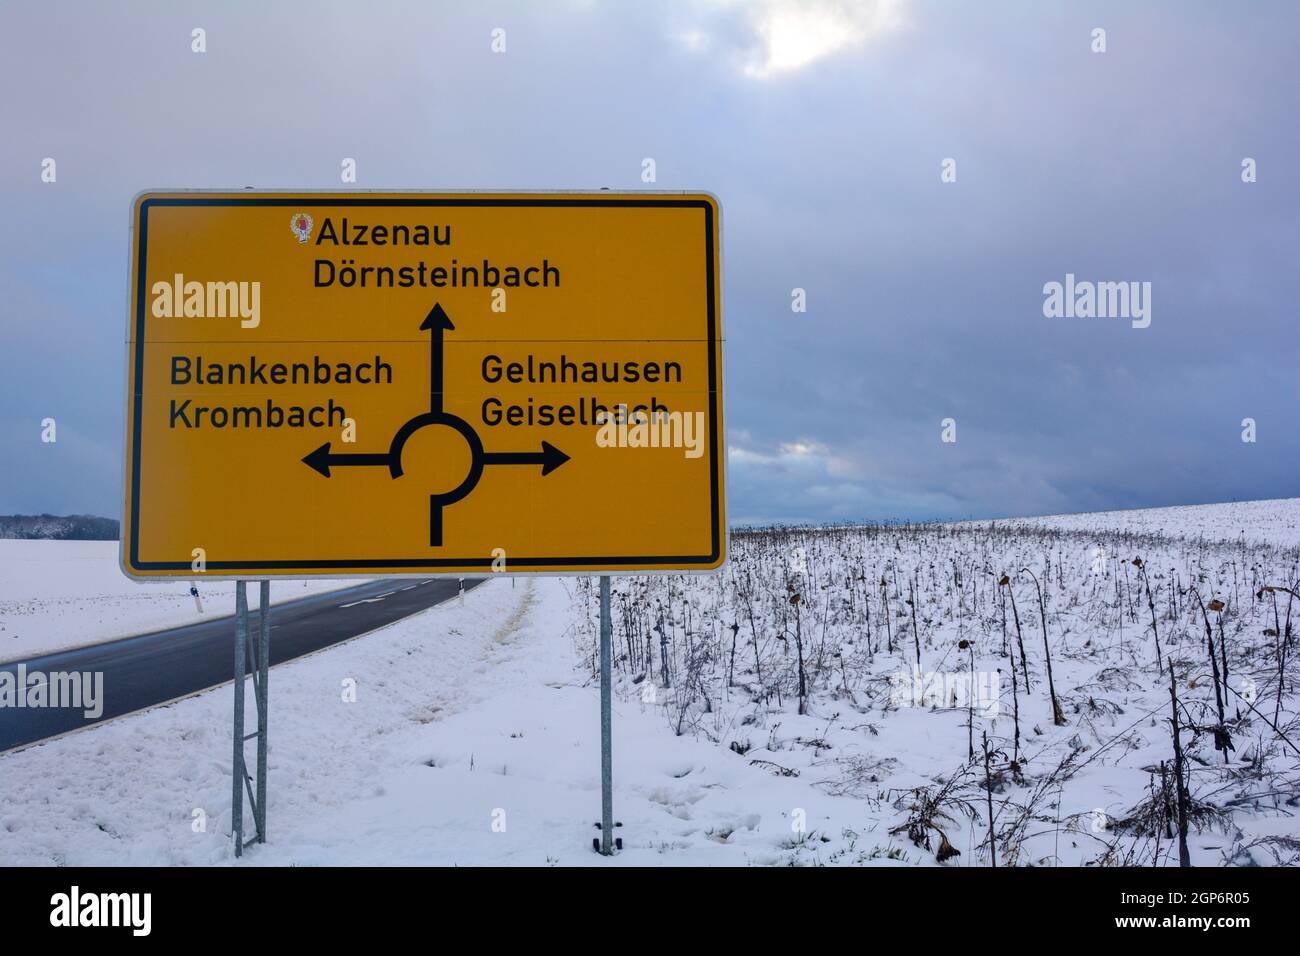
<point x="514" y="778"/>
<point x="473" y="740"/>
<point x="129" y="791"/>
<point x="55" y="595"/>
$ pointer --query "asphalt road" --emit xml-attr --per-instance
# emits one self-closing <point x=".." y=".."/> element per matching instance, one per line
<point x="153" y="668"/>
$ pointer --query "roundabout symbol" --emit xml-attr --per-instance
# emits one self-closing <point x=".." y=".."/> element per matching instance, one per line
<point x="550" y="457"/>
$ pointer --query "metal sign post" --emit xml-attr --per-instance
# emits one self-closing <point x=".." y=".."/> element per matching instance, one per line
<point x="254" y="658"/>
<point x="263" y="663"/>
<point x="237" y="761"/>
<point x="606" y="722"/>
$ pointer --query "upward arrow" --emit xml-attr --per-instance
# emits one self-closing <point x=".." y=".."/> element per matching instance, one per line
<point x="436" y="322"/>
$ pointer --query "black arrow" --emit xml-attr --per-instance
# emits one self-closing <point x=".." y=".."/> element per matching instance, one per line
<point x="436" y="322"/>
<point x="321" y="459"/>
<point x="549" y="458"/>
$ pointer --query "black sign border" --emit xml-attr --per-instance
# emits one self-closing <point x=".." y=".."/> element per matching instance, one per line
<point x="429" y="565"/>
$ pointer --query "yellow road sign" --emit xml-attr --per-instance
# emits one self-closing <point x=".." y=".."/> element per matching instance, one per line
<point x="417" y="383"/>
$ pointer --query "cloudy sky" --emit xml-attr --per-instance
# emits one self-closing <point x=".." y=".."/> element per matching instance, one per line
<point x="822" y="127"/>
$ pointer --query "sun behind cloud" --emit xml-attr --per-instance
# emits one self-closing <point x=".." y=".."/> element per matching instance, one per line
<point x="787" y="35"/>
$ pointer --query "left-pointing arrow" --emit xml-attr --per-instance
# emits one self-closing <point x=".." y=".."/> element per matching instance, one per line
<point x="320" y="460"/>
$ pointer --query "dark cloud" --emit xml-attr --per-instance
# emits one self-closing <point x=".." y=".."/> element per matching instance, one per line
<point x="924" y="299"/>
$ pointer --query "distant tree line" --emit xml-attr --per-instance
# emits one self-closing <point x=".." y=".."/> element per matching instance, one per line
<point x="59" y="527"/>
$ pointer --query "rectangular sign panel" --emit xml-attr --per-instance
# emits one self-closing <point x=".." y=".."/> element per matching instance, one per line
<point x="417" y="383"/>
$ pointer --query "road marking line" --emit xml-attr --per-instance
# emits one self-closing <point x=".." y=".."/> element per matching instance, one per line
<point x="91" y="725"/>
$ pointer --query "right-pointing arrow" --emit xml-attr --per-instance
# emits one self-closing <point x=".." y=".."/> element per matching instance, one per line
<point x="549" y="458"/>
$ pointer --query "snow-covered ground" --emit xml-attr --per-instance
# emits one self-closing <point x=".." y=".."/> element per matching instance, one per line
<point x="60" y="594"/>
<point x="1256" y="522"/>
<point x="472" y="740"/>
<point x="474" y="735"/>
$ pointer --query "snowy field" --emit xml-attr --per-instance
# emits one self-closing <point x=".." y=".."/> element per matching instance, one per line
<point x="1259" y="522"/>
<point x="765" y="716"/>
<point x="60" y="594"/>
